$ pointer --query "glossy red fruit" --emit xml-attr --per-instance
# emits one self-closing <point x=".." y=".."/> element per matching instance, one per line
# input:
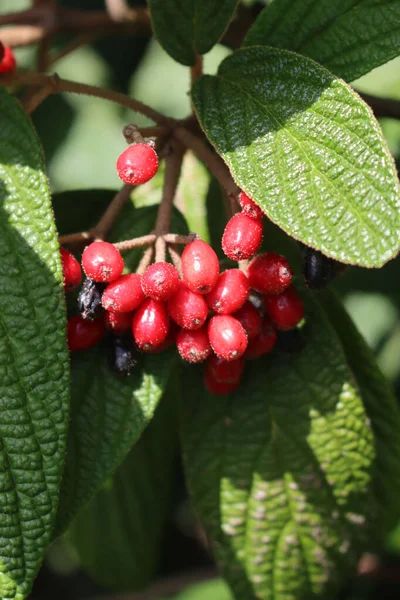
<point x="188" y="309"/>
<point x="285" y="310"/>
<point x="269" y="273"/>
<point x="250" y="318"/>
<point x="124" y="294"/>
<point x="249" y="207"/>
<point x="71" y="270"/>
<point x="216" y="387"/>
<point x="242" y="237"/>
<point x="225" y="371"/>
<point x="200" y="267"/>
<point x="160" y="281"/>
<point x="82" y="334"/>
<point x="101" y="261"/>
<point x="193" y="346"/>
<point x="8" y="63"/>
<point x="137" y="164"/>
<point x="229" y="293"/>
<point x="118" y="322"/>
<point x="150" y="324"/>
<point x="170" y="340"/>
<point x="263" y="342"/>
<point x="227" y="337"/>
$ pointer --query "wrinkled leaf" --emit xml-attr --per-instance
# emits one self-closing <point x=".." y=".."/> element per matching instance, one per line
<point x="282" y="471"/>
<point x="185" y="28"/>
<point x="33" y="355"/>
<point x="348" y="37"/>
<point x="118" y="535"/>
<point x="307" y="149"/>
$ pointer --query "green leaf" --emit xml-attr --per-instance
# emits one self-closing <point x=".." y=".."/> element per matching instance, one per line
<point x="109" y="412"/>
<point x="186" y="28"/>
<point x="33" y="355"/>
<point x="380" y="405"/>
<point x="307" y="149"/>
<point x="118" y="535"/>
<point x="282" y="471"/>
<point x="348" y="37"/>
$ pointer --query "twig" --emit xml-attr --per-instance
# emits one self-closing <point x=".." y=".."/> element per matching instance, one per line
<point x="118" y="202"/>
<point x="173" y="165"/>
<point x="197" y="70"/>
<point x="117" y="9"/>
<point x="382" y="107"/>
<point x="65" y="85"/>
<point x="72" y="238"/>
<point x="176" y="238"/>
<point x="139" y="242"/>
<point x="36" y="96"/>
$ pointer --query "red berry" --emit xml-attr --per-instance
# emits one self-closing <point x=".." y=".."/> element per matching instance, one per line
<point x="200" y="267"/>
<point x="218" y="387"/>
<point x="150" y="324"/>
<point x="285" y="310"/>
<point x="250" y="318"/>
<point x="118" y="322"/>
<point x="8" y="63"/>
<point x="263" y="342"/>
<point x="188" y="309"/>
<point x="160" y="281"/>
<point x="242" y="237"/>
<point x="193" y="346"/>
<point x="227" y="337"/>
<point x="269" y="273"/>
<point x="124" y="294"/>
<point x="229" y="293"/>
<point x="249" y="207"/>
<point x="137" y="164"/>
<point x="170" y="340"/>
<point x="225" y="371"/>
<point x="71" y="270"/>
<point x="101" y="261"/>
<point x="82" y="334"/>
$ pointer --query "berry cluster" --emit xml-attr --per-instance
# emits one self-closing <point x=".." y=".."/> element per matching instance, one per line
<point x="222" y="318"/>
<point x="8" y="64"/>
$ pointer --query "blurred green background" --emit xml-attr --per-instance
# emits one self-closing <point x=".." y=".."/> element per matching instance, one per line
<point x="82" y="138"/>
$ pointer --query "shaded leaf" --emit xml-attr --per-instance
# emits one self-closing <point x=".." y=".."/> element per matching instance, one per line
<point x="307" y="149"/>
<point x="33" y="355"/>
<point x="348" y="37"/>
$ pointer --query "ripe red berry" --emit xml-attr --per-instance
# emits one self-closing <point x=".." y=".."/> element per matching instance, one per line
<point x="242" y="237"/>
<point x="188" y="309"/>
<point x="150" y="324"/>
<point x="193" y="346"/>
<point x="249" y="207"/>
<point x="101" y="261"/>
<point x="200" y="267"/>
<point x="137" y="164"/>
<point x="118" y="322"/>
<point x="285" y="310"/>
<point x="229" y="293"/>
<point x="71" y="270"/>
<point x="170" y="340"/>
<point x="8" y="63"/>
<point x="227" y="337"/>
<point x="250" y="318"/>
<point x="263" y="342"/>
<point x="160" y="280"/>
<point x="216" y="387"/>
<point x="225" y="371"/>
<point x="269" y="273"/>
<point x="82" y="334"/>
<point x="124" y="294"/>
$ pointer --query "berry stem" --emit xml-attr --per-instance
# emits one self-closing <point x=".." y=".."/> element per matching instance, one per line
<point x="132" y="135"/>
<point x="146" y="260"/>
<point x="72" y="238"/>
<point x="175" y="257"/>
<point x="160" y="248"/>
<point x="173" y="165"/>
<point x="112" y="211"/>
<point x="176" y="238"/>
<point x="139" y="242"/>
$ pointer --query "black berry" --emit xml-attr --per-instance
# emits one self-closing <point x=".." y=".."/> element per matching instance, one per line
<point x="89" y="299"/>
<point x="122" y="354"/>
<point x="318" y="269"/>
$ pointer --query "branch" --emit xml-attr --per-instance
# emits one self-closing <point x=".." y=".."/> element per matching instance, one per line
<point x="382" y="107"/>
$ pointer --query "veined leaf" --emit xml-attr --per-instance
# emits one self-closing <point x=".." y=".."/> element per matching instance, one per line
<point x="307" y="149"/>
<point x="117" y="536"/>
<point x="33" y="355"/>
<point x="185" y="28"/>
<point x="282" y="471"/>
<point x="109" y="412"/>
<point x="348" y="37"/>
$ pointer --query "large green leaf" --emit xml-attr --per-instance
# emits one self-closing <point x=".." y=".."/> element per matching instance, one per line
<point x="109" y="412"/>
<point x="348" y="37"/>
<point x="117" y="536"/>
<point x="307" y="149"/>
<point x="185" y="28"/>
<point x="282" y="471"/>
<point x="33" y="355"/>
